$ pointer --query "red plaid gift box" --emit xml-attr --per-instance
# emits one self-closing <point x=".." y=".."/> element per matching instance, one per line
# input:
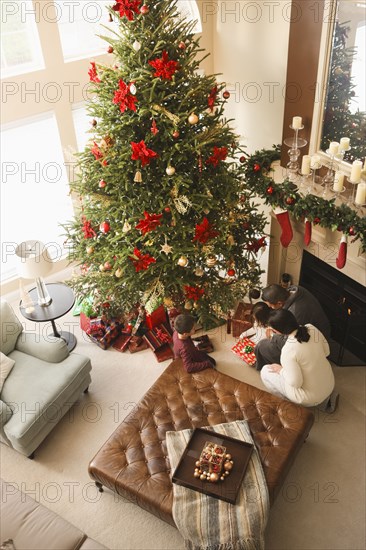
<point x="159" y="336"/>
<point x="245" y="350"/>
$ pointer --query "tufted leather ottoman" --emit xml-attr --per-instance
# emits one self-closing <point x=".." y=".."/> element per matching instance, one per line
<point x="133" y="462"/>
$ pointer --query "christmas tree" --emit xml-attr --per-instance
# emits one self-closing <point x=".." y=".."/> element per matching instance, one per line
<point x="165" y="214"/>
<point x="339" y="120"/>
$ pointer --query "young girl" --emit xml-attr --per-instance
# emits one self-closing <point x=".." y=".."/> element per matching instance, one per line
<point x="305" y="375"/>
<point x="260" y="314"/>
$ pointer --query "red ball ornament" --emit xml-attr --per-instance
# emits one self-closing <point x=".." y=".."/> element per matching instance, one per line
<point x="182" y="45"/>
<point x="269" y="190"/>
<point x="175" y="134"/>
<point x="352" y="231"/>
<point x="226" y="94"/>
<point x="316" y="220"/>
<point x="105" y="163"/>
<point x="246" y="226"/>
<point x="107" y="266"/>
<point x="102" y="184"/>
<point x="256" y="167"/>
<point x="231" y="272"/>
<point x="144" y="9"/>
<point x="290" y="200"/>
<point x="242" y="159"/>
<point x="105" y="227"/>
<point x="110" y="49"/>
<point x="94" y="122"/>
<point x="167" y="209"/>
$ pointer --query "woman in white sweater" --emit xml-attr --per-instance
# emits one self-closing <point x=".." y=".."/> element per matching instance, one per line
<point x="305" y="375"/>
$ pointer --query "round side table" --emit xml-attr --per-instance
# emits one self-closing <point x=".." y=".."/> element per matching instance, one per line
<point x="63" y="299"/>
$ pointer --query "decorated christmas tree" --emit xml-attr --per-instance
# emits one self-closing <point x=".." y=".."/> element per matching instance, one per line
<point x="165" y="214"/>
<point x="340" y="120"/>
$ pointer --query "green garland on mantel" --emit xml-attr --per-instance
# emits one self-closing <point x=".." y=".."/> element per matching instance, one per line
<point x="285" y="195"/>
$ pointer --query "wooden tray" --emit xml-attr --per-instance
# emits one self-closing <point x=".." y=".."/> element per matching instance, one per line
<point x="225" y="490"/>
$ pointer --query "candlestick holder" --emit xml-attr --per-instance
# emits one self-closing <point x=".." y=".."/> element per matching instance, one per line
<point x="292" y="168"/>
<point x="337" y="194"/>
<point x="328" y="179"/>
<point x="352" y="195"/>
<point x="313" y="182"/>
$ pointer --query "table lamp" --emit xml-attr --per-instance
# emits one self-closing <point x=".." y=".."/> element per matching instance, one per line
<point x="34" y="263"/>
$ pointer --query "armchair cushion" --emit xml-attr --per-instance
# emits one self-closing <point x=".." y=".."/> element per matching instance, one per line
<point x="52" y="350"/>
<point x="11" y="327"/>
<point x="6" y="364"/>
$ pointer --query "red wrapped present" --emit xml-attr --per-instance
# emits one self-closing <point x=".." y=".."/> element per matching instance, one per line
<point x="122" y="341"/>
<point x="164" y="353"/>
<point x="245" y="350"/>
<point x="156" y="318"/>
<point x="111" y="332"/>
<point x="242" y="319"/>
<point x="85" y="321"/>
<point x="137" y="343"/>
<point x="159" y="336"/>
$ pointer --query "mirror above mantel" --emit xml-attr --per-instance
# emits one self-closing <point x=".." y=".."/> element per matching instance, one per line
<point x="329" y="77"/>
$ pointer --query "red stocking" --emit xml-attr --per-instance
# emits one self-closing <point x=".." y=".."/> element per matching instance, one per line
<point x="284" y="221"/>
<point x="307" y="235"/>
<point x="342" y="253"/>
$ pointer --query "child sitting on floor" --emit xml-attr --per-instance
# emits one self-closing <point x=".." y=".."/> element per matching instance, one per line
<point x="260" y="314"/>
<point x="193" y="359"/>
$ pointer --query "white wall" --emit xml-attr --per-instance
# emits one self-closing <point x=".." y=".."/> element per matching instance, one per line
<point x="250" y="42"/>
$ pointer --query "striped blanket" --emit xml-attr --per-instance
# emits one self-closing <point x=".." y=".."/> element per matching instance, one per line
<point x="207" y="523"/>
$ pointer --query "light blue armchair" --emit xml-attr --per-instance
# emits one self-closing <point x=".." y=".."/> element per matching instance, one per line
<point x="44" y="382"/>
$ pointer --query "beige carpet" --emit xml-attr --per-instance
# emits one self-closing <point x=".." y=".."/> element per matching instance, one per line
<point x="321" y="505"/>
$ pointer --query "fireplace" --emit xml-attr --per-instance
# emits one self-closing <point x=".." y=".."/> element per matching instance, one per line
<point x="344" y="302"/>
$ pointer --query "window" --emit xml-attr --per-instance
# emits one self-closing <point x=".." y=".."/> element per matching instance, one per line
<point x="20" y="46"/>
<point x="33" y="182"/>
<point x="79" y="24"/>
<point x="190" y="11"/>
<point x="82" y="125"/>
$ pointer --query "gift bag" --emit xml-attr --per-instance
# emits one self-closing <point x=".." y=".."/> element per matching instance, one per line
<point x="245" y="350"/>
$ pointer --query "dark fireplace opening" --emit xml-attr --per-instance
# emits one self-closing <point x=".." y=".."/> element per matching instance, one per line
<point x="344" y="302"/>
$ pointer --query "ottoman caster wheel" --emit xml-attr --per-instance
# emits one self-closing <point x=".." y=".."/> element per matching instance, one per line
<point x="99" y="486"/>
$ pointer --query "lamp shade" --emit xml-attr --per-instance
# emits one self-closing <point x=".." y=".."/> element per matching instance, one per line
<point x="33" y="259"/>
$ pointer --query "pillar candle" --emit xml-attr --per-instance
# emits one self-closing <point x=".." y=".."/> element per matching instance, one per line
<point x="296" y="122"/>
<point x="356" y="171"/>
<point x="333" y="147"/>
<point x="361" y="194"/>
<point x="344" y="144"/>
<point x="305" y="165"/>
<point x="315" y="162"/>
<point x="338" y="182"/>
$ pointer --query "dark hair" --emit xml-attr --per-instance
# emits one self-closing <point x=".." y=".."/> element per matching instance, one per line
<point x="274" y="294"/>
<point x="254" y="293"/>
<point x="184" y="323"/>
<point x="286" y="278"/>
<point x="260" y="313"/>
<point x="285" y="322"/>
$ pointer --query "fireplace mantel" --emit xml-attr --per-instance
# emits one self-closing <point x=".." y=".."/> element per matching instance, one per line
<point x="324" y="245"/>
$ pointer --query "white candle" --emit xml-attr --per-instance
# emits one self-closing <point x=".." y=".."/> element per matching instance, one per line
<point x="296" y="122"/>
<point x="315" y="162"/>
<point x="356" y="171"/>
<point x="344" y="144"/>
<point x="364" y="166"/>
<point x="305" y="165"/>
<point x="361" y="194"/>
<point x="338" y="182"/>
<point x="333" y="147"/>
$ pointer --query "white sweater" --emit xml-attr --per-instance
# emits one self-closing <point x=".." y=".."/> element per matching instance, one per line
<point x="306" y="372"/>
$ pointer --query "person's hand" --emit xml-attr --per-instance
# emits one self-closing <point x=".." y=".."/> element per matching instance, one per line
<point x="269" y="333"/>
<point x="275" y="367"/>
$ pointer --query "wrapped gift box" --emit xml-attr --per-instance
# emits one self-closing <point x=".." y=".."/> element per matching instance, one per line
<point x="245" y="350"/>
<point x="159" y="336"/>
<point x="156" y="318"/>
<point x="203" y="343"/>
<point x="104" y="340"/>
<point x="242" y="319"/>
<point x="122" y="341"/>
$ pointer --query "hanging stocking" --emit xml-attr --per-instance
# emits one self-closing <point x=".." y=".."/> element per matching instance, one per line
<point x="342" y="253"/>
<point x="284" y="221"/>
<point x="307" y="235"/>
